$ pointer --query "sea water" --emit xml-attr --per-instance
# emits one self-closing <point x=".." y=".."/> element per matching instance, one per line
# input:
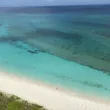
<point x="70" y="49"/>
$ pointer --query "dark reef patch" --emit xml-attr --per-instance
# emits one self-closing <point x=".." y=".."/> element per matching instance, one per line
<point x="10" y="38"/>
<point x="52" y="33"/>
<point x="105" y="34"/>
<point x="79" y="43"/>
<point x="91" y="24"/>
<point x="72" y="47"/>
<point x="32" y="51"/>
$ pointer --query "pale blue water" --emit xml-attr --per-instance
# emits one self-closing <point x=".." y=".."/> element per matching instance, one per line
<point x="55" y="47"/>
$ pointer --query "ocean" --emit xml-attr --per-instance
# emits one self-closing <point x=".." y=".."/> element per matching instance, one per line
<point x="65" y="46"/>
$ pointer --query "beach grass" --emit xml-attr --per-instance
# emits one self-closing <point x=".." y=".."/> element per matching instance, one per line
<point x="11" y="102"/>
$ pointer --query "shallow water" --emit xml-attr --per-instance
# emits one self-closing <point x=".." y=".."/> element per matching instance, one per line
<point x="55" y="47"/>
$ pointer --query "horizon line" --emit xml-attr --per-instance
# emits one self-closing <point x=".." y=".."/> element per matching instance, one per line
<point x="54" y="5"/>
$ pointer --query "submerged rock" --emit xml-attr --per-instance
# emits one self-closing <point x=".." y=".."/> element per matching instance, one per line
<point x="32" y="51"/>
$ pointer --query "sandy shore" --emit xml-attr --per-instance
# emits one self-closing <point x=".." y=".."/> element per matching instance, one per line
<point x="49" y="98"/>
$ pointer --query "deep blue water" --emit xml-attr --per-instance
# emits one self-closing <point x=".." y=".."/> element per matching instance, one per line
<point x="65" y="46"/>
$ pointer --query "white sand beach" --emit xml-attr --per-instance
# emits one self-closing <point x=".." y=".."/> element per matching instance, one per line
<point x="45" y="96"/>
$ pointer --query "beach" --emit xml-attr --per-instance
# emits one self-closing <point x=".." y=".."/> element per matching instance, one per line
<point x="45" y="96"/>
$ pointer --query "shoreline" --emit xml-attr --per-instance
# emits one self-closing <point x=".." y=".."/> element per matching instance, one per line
<point x="47" y="95"/>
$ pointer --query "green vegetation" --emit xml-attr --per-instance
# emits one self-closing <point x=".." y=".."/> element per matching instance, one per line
<point x="11" y="102"/>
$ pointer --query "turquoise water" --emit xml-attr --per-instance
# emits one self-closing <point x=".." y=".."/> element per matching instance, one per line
<point x="60" y="49"/>
<point x="54" y="70"/>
